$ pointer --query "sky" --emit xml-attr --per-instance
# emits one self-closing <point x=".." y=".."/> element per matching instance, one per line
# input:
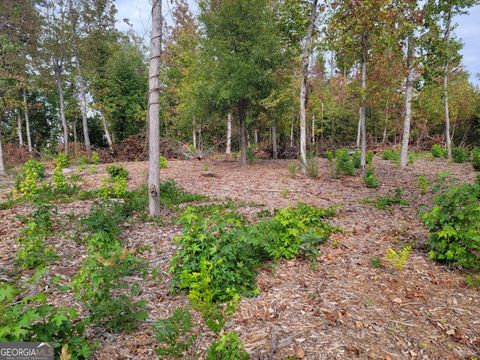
<point x="468" y="30"/>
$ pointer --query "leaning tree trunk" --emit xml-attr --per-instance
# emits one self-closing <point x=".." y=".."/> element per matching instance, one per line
<point x="408" y="105"/>
<point x="274" y="140"/>
<point x="242" y="111"/>
<point x="448" y="139"/>
<point x="303" y="89"/>
<point x="229" y="134"/>
<point x="154" y="111"/>
<point x="363" y="128"/>
<point x="58" y="80"/>
<point x="83" y="106"/>
<point x="19" y="128"/>
<point x="27" y="121"/>
<point x="105" y="129"/>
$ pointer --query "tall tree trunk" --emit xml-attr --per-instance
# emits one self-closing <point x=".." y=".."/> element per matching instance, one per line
<point x="255" y="137"/>
<point x="407" y="116"/>
<point x="58" y="80"/>
<point x="291" y="133"/>
<point x="2" y="164"/>
<point x="83" y="106"/>
<point x="303" y="88"/>
<point x="448" y="139"/>
<point x="243" y="132"/>
<point x="19" y="128"/>
<point x="313" y="130"/>
<point x="321" y="124"/>
<point x="154" y="110"/>
<point x="74" y="127"/>
<point x="229" y="134"/>
<point x="274" y="140"/>
<point x="27" y="121"/>
<point x="359" y="128"/>
<point x="363" y="157"/>
<point x="105" y="129"/>
<point x="194" y="138"/>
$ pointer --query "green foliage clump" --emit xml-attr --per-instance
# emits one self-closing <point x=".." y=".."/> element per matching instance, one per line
<point x="392" y="155"/>
<point x="343" y="163"/>
<point x="398" y="259"/>
<point x="28" y="317"/>
<point x="32" y="251"/>
<point x="376" y="262"/>
<point x="95" y="158"/>
<point x="423" y="184"/>
<point x="228" y="347"/>
<point x="370" y="179"/>
<point x="459" y="155"/>
<point x="163" y="162"/>
<point x="454" y="225"/>
<point x="438" y="151"/>
<point x="476" y="158"/>
<point x="116" y="185"/>
<point x="61" y="161"/>
<point x="357" y="159"/>
<point x="172" y="194"/>
<point x="384" y="202"/>
<point x="292" y="170"/>
<point x="473" y="281"/>
<point x="329" y="155"/>
<point x="117" y="172"/>
<point x="174" y="334"/>
<point x="251" y="154"/>
<point x="28" y="177"/>
<point x="312" y="167"/>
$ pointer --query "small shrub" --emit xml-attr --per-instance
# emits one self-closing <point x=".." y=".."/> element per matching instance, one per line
<point x="117" y="172"/>
<point x="61" y="161"/>
<point x="228" y="347"/>
<point x="423" y="184"/>
<point x="329" y="155"/>
<point x="370" y="156"/>
<point x="438" y="151"/>
<point x="398" y="259"/>
<point x="392" y="155"/>
<point x="95" y="158"/>
<point x="376" y="262"/>
<point x="163" y="162"/>
<point x="174" y="334"/>
<point x="27" y="181"/>
<point x="312" y="167"/>
<point x="454" y="225"/>
<point x="459" y="155"/>
<point x="292" y="170"/>
<point x="385" y="202"/>
<point x="357" y="159"/>
<point x="476" y="158"/>
<point x="370" y="179"/>
<point x="343" y="163"/>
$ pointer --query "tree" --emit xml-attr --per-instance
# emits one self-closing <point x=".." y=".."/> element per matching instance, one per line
<point x="241" y="51"/>
<point x="154" y="111"/>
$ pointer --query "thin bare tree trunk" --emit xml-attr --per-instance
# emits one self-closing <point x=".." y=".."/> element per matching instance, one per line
<point x="359" y="128"/>
<point x="243" y="133"/>
<point x="58" y="80"/>
<point x="313" y="129"/>
<point x="303" y="88"/>
<point x="154" y="110"/>
<point x="384" y="138"/>
<point x="105" y="129"/>
<point x="83" y="106"/>
<point x="363" y="157"/>
<point x="229" y="134"/>
<point x="19" y="128"/>
<point x="291" y="134"/>
<point x="74" y="127"/>
<point x="255" y="136"/>
<point x="2" y="164"/>
<point x="407" y="117"/>
<point x="274" y="140"/>
<point x="448" y="139"/>
<point x="27" y="121"/>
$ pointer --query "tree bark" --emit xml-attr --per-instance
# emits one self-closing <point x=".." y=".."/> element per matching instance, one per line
<point x="303" y="89"/>
<point x="27" y="121"/>
<point x="105" y="129"/>
<point x="58" y="80"/>
<point x="2" y="164"/>
<point x="313" y="129"/>
<point x="154" y="110"/>
<point x="19" y="129"/>
<point x="243" y="132"/>
<point x="83" y="106"/>
<point x="255" y="137"/>
<point x="363" y="128"/>
<point x="274" y="140"/>
<point x="359" y="128"/>
<point x="448" y="139"/>
<point x="407" y="116"/>
<point x="229" y="134"/>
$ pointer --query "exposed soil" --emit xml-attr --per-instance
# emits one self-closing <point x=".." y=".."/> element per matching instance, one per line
<point x="342" y="308"/>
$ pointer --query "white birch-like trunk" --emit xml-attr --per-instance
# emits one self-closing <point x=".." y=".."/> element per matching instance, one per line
<point x="154" y="110"/>
<point x="83" y="106"/>
<point x="19" y="128"/>
<point x="313" y="129"/>
<point x="194" y="138"/>
<point x="2" y="164"/>
<point x="105" y="129"/>
<point x="359" y="128"/>
<point x="363" y="140"/>
<point x="303" y="89"/>
<point x="407" y="116"/>
<point x="255" y="136"/>
<point x="58" y="80"/>
<point x="27" y="121"/>
<point x="274" y="141"/>
<point x="228" y="151"/>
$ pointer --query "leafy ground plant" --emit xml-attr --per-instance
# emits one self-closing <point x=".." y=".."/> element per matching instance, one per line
<point x="174" y="334"/>
<point x="398" y="259"/>
<point x="227" y="347"/>
<point x="385" y="202"/>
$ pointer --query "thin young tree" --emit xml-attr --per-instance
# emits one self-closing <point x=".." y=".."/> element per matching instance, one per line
<point x="154" y="110"/>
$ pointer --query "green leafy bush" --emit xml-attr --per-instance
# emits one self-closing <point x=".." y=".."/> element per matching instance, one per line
<point x="228" y="347"/>
<point x="329" y="155"/>
<point x="356" y="159"/>
<point x="95" y="158"/>
<point x="370" y="156"/>
<point x="423" y="184"/>
<point x="27" y="181"/>
<point x="476" y="158"/>
<point x="174" y="334"/>
<point x="384" y="202"/>
<point x="343" y="163"/>
<point x="61" y="161"/>
<point x="172" y="194"/>
<point x="398" y="259"/>
<point x="163" y="162"/>
<point x="370" y="179"/>
<point x="312" y="167"/>
<point x="438" y="151"/>
<point x="459" y="155"/>
<point x="454" y="225"/>
<point x="390" y="154"/>
<point x="117" y="172"/>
